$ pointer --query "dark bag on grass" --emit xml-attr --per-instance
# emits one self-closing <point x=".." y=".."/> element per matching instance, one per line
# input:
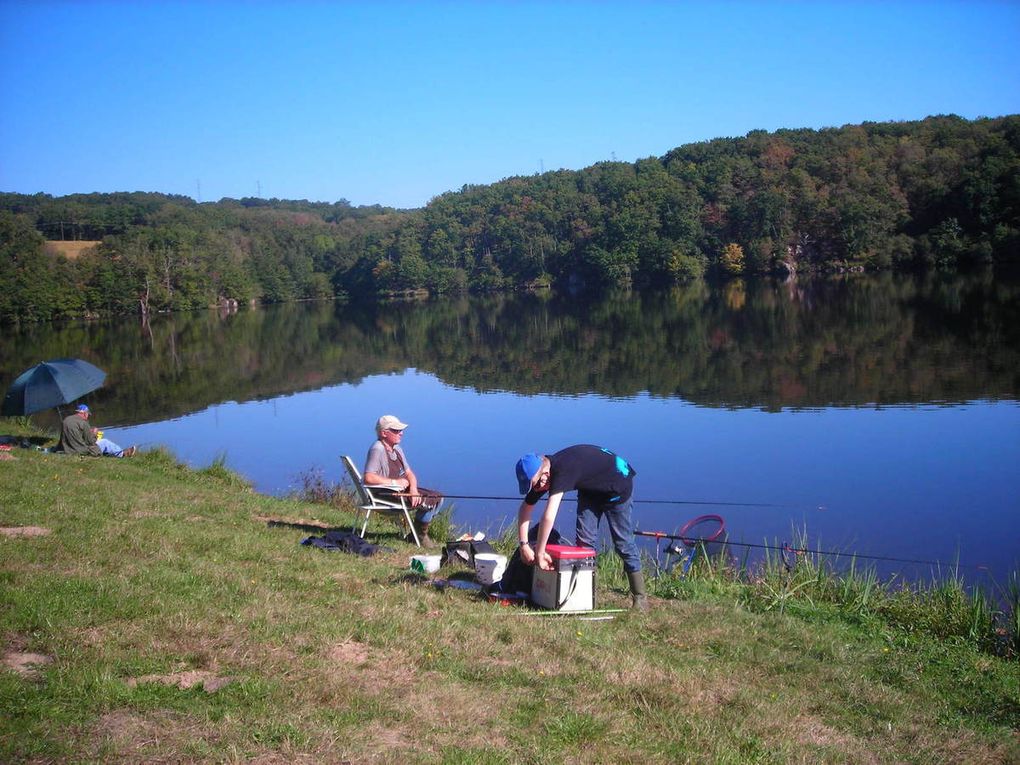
<point x="464" y="552"/>
<point x="517" y="577"/>
<point x="345" y="541"/>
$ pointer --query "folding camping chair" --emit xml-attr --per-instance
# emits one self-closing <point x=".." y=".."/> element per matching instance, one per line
<point x="376" y="499"/>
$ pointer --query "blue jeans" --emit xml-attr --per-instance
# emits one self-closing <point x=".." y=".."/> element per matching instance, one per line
<point x="431" y="501"/>
<point x="108" y="447"/>
<point x="590" y="511"/>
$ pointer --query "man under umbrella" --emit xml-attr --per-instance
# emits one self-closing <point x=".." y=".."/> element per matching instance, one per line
<point x="76" y="437"/>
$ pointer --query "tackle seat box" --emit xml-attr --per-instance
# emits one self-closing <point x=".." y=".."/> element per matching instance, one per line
<point x="570" y="586"/>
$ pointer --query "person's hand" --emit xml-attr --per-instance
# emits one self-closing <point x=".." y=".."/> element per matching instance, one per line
<point x="416" y="499"/>
<point x="545" y="561"/>
<point x="527" y="555"/>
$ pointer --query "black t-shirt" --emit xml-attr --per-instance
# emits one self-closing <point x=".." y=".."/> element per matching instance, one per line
<point x="591" y="470"/>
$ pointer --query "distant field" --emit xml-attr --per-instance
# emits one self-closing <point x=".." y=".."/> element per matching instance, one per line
<point x="70" y="249"/>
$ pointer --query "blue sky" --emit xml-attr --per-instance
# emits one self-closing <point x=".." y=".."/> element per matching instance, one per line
<point x="394" y="103"/>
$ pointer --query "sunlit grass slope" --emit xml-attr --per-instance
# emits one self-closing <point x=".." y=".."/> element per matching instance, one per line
<point x="161" y="620"/>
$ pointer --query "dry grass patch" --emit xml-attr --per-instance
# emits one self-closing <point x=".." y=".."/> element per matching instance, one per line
<point x="470" y="712"/>
<point x="398" y="682"/>
<point x="26" y="664"/>
<point x="210" y="681"/>
<point x="966" y="747"/>
<point x="222" y="643"/>
<point x="292" y="758"/>
<point x="125" y="736"/>
<point x="807" y="729"/>
<point x="379" y="742"/>
<point x="70" y="250"/>
<point x="351" y="652"/>
<point x="720" y="692"/>
<point x="373" y="671"/>
<point x="141" y="514"/>
<point x="12" y="532"/>
<point x="128" y="730"/>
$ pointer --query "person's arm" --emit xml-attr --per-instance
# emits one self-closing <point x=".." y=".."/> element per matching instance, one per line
<point x="523" y="524"/>
<point x="374" y="479"/>
<point x="545" y="526"/>
<point x="412" y="486"/>
<point x="88" y="434"/>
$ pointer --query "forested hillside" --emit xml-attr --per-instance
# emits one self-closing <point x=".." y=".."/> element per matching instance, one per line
<point x="942" y="192"/>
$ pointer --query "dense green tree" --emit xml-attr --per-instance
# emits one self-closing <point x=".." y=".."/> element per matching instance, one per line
<point x="940" y="193"/>
<point x="27" y="282"/>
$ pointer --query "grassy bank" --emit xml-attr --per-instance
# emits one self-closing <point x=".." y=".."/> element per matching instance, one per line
<point x="164" y="621"/>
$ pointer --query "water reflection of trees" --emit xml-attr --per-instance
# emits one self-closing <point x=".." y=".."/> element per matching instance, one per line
<point x="840" y="341"/>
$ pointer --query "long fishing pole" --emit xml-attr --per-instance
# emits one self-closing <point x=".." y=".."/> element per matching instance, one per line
<point x="812" y="551"/>
<point x="573" y="613"/>
<point x="804" y="550"/>
<point x="645" y="501"/>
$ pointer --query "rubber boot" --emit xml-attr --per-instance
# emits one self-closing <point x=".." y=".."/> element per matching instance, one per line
<point x="639" y="599"/>
<point x="423" y="534"/>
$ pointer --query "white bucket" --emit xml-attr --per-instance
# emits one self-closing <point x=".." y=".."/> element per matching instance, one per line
<point x="489" y="567"/>
<point x="425" y="564"/>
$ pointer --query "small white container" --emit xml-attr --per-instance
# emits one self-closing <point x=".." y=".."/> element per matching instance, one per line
<point x="489" y="567"/>
<point x="425" y="564"/>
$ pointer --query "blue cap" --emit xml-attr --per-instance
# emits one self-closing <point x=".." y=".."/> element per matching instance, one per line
<point x="527" y="466"/>
<point x="82" y="408"/>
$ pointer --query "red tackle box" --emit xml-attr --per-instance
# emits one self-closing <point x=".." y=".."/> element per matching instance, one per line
<point x="570" y="586"/>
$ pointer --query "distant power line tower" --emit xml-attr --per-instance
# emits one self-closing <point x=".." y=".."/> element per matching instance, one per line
<point x="198" y="190"/>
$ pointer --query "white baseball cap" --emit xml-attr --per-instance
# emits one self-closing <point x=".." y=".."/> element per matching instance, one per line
<point x="389" y="422"/>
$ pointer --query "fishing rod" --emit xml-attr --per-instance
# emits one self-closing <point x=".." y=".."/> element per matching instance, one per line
<point x="705" y="502"/>
<point x="596" y="611"/>
<point x="694" y="541"/>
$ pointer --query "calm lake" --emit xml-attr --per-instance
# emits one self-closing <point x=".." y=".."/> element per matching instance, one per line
<point x="877" y="413"/>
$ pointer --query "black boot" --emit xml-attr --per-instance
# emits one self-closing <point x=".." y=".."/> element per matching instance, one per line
<point x="422" y="530"/>
<point x="638" y="597"/>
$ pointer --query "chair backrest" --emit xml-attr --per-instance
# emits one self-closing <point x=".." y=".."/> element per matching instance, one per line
<point x="365" y="494"/>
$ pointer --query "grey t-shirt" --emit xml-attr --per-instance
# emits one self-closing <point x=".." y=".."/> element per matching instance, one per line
<point x="387" y="464"/>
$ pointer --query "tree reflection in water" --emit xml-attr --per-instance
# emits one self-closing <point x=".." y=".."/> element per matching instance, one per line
<point x="670" y="358"/>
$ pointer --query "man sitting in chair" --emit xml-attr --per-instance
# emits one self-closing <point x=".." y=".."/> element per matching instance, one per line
<point x="387" y="467"/>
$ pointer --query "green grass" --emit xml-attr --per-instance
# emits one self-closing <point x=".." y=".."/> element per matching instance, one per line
<point x="154" y="573"/>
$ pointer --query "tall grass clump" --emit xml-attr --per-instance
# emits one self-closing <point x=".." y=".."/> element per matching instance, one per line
<point x="442" y="527"/>
<point x="944" y="610"/>
<point x="1013" y="604"/>
<point x="313" y="487"/>
<point x="220" y="472"/>
<point x="798" y="581"/>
